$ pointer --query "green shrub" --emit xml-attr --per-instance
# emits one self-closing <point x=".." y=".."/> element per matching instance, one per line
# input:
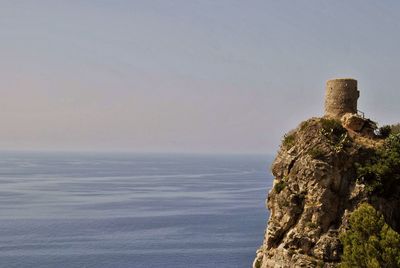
<point x="279" y="186"/>
<point x="316" y="153"/>
<point x="289" y="140"/>
<point x="395" y="129"/>
<point x="304" y="125"/>
<point x="384" y="132"/>
<point x="332" y="126"/>
<point x="381" y="170"/>
<point x="335" y="133"/>
<point x="369" y="242"/>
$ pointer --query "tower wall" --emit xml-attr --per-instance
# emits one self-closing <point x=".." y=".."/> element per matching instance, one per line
<point x="341" y="97"/>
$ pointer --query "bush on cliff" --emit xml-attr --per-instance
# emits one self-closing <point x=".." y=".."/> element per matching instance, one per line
<point x="395" y="129"/>
<point x="289" y="139"/>
<point x="335" y="133"/>
<point x="381" y="170"/>
<point x="279" y="186"/>
<point x="384" y="132"/>
<point x="369" y="242"/>
<point x="332" y="126"/>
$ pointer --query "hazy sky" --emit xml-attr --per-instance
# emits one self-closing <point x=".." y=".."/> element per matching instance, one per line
<point x="186" y="75"/>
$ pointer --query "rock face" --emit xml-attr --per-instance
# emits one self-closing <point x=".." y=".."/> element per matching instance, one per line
<point x="356" y="123"/>
<point x="314" y="191"/>
<point x="316" y="188"/>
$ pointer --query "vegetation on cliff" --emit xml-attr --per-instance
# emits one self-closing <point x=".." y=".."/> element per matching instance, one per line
<point x="380" y="171"/>
<point x="336" y="194"/>
<point x="369" y="242"/>
<point x="334" y="197"/>
<point x="385" y="131"/>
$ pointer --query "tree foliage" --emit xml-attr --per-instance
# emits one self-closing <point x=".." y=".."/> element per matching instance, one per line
<point x="369" y="242"/>
<point x="381" y="171"/>
<point x="384" y="132"/>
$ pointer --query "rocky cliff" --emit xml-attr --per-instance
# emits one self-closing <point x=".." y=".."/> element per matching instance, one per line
<point x="316" y="188"/>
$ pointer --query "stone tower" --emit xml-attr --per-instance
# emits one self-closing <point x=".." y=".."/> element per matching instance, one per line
<point x="341" y="97"/>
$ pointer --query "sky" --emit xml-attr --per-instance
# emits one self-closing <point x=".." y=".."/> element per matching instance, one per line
<point x="205" y="76"/>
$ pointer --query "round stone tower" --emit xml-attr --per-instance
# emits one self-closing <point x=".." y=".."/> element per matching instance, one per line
<point x="341" y="97"/>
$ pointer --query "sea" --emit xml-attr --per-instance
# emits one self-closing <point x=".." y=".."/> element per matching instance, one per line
<point x="131" y="210"/>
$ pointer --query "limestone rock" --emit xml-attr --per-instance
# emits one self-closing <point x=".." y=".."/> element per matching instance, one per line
<point x="356" y="123"/>
<point x="353" y="122"/>
<point x="314" y="191"/>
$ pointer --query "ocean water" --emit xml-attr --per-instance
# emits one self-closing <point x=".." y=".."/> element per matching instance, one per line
<point x="125" y="210"/>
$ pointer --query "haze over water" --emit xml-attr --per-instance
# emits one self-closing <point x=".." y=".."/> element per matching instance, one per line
<point x="186" y="76"/>
<point x="110" y="210"/>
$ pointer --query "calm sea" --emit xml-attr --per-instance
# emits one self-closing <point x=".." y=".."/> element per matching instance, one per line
<point x="121" y="210"/>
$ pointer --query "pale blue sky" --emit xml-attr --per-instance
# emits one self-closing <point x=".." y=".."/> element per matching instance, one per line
<point x="186" y="75"/>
